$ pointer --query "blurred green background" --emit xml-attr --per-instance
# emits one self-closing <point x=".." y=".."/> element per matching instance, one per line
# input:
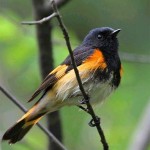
<point x="19" y="69"/>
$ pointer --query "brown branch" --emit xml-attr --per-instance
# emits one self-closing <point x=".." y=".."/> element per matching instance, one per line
<point x="19" y="105"/>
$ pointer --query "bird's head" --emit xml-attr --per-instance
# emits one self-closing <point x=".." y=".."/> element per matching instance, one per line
<point x="104" y="38"/>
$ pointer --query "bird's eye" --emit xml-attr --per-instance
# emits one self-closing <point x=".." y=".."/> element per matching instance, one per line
<point x="99" y="36"/>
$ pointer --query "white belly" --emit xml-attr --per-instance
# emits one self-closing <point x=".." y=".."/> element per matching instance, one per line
<point x="97" y="92"/>
<point x="100" y="92"/>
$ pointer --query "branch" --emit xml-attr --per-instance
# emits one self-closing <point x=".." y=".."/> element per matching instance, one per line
<point x="86" y="97"/>
<point x="84" y="109"/>
<point x="39" y="21"/>
<point x="95" y="120"/>
<point x="66" y="36"/>
<point x="18" y="104"/>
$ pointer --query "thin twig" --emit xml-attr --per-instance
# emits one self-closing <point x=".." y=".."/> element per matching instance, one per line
<point x="40" y="21"/>
<point x="16" y="102"/>
<point x="84" y="109"/>
<point x="86" y="97"/>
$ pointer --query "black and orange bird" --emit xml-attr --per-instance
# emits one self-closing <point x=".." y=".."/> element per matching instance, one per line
<point x="99" y="68"/>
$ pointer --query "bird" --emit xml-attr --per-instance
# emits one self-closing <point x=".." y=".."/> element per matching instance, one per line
<point x="100" y="70"/>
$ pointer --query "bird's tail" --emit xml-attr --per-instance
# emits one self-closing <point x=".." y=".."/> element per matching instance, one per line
<point x="22" y="126"/>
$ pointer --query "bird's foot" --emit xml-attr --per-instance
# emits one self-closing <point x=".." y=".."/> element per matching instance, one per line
<point x="93" y="123"/>
<point x="84" y="101"/>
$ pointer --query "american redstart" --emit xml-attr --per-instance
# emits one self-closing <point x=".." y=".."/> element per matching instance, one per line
<point x="99" y="68"/>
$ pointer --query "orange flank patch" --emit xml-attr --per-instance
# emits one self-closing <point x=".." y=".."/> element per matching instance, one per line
<point x="95" y="61"/>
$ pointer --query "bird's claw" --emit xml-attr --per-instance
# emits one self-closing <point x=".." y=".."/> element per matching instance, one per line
<point x="83" y="101"/>
<point x="93" y="123"/>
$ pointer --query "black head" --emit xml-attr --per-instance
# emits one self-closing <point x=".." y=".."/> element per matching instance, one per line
<point x="104" y="38"/>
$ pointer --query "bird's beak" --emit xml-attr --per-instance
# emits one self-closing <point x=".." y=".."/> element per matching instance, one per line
<point x="115" y="32"/>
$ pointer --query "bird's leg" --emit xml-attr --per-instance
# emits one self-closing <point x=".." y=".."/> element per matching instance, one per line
<point x="83" y="101"/>
<point x="91" y="123"/>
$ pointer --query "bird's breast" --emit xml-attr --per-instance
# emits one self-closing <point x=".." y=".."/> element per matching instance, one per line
<point x="101" y="89"/>
<point x="95" y="87"/>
